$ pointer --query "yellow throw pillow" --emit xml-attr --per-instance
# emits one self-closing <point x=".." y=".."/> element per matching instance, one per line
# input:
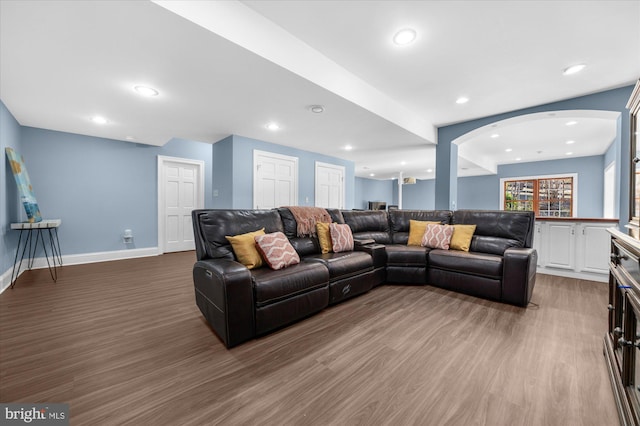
<point x="244" y="247"/>
<point x="461" y="239"/>
<point x="417" y="229"/>
<point x="324" y="235"/>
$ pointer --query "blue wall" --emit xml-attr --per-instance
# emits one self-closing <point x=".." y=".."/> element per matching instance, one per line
<point x="420" y="195"/>
<point x="242" y="172"/>
<point x="610" y="100"/>
<point x="373" y="190"/>
<point x="99" y="187"/>
<point x="10" y="207"/>
<point x="223" y="173"/>
<point x="483" y="192"/>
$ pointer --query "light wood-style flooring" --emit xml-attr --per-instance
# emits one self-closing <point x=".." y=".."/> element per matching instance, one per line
<point x="124" y="343"/>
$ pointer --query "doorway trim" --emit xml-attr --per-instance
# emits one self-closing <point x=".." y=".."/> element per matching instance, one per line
<point x="162" y="160"/>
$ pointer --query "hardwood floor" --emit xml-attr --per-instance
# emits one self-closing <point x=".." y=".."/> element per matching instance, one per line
<point x="124" y="343"/>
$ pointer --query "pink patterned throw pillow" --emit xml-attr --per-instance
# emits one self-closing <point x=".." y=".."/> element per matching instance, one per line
<point x="276" y="250"/>
<point x="341" y="237"/>
<point x="437" y="236"/>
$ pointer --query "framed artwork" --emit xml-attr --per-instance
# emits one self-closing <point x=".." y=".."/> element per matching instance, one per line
<point x="27" y="197"/>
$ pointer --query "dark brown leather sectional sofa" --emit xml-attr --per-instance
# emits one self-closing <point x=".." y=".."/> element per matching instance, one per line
<point x="240" y="304"/>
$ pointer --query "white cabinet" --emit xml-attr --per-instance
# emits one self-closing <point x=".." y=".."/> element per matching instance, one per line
<point x="573" y="249"/>
<point x="561" y="245"/>
<point x="537" y="238"/>
<point x="593" y="248"/>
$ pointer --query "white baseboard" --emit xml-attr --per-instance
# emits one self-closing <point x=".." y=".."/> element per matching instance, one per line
<point x="79" y="259"/>
<point x="604" y="278"/>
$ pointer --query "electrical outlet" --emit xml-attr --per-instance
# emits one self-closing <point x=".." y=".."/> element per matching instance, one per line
<point x="215" y="192"/>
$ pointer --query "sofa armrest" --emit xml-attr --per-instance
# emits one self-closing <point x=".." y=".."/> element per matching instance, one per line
<point x="224" y="294"/>
<point x="519" y="275"/>
<point x="377" y="252"/>
<point x="363" y="242"/>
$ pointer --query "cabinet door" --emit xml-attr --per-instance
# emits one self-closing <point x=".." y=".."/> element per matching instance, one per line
<point x="560" y="245"/>
<point x="593" y="245"/>
<point x="538" y="242"/>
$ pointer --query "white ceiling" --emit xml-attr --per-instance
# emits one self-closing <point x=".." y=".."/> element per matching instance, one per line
<point x="231" y="67"/>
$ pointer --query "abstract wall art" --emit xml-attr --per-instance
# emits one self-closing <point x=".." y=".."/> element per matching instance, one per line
<point x="27" y="197"/>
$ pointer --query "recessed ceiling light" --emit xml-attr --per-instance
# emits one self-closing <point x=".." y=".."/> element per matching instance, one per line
<point x="570" y="142"/>
<point x="146" y="91"/>
<point x="403" y="163"/>
<point x="568" y="153"/>
<point x="372" y="174"/>
<point x="518" y="158"/>
<point x="508" y="150"/>
<point x="573" y="69"/>
<point x="429" y="170"/>
<point x="348" y="147"/>
<point x="130" y="138"/>
<point x="495" y="135"/>
<point x="99" y="120"/>
<point x="462" y="100"/>
<point x="571" y="123"/>
<point x="317" y="109"/>
<point x="404" y="37"/>
<point x="273" y="126"/>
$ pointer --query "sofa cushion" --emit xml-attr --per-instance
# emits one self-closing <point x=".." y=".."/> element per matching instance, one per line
<point x="270" y="286"/>
<point x="417" y="228"/>
<point x="276" y="250"/>
<point x="212" y="226"/>
<point x="497" y="231"/>
<point x="324" y="237"/>
<point x="341" y="238"/>
<point x="244" y="247"/>
<point x="437" y="236"/>
<point x="461" y="238"/>
<point x="492" y="245"/>
<point x="336" y="215"/>
<point x="403" y="255"/>
<point x="303" y="245"/>
<point x="399" y="221"/>
<point x="342" y="265"/>
<point x="487" y="265"/>
<point x="369" y="224"/>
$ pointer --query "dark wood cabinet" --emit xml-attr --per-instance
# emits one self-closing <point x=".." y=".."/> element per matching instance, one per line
<point x="622" y="340"/>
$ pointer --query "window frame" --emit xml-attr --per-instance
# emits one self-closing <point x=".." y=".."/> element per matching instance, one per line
<point x="574" y="189"/>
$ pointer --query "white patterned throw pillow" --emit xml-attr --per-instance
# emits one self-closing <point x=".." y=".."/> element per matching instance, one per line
<point x="437" y="236"/>
<point x="341" y="237"/>
<point x="276" y="250"/>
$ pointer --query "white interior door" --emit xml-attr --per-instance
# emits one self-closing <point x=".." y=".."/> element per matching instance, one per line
<point x="329" y="186"/>
<point x="275" y="180"/>
<point x="180" y="190"/>
<point x="609" y="191"/>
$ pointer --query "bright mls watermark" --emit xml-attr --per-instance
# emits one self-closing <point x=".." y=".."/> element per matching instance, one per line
<point x="34" y="414"/>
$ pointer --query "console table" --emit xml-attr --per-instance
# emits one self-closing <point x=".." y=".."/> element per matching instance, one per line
<point x="33" y="232"/>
